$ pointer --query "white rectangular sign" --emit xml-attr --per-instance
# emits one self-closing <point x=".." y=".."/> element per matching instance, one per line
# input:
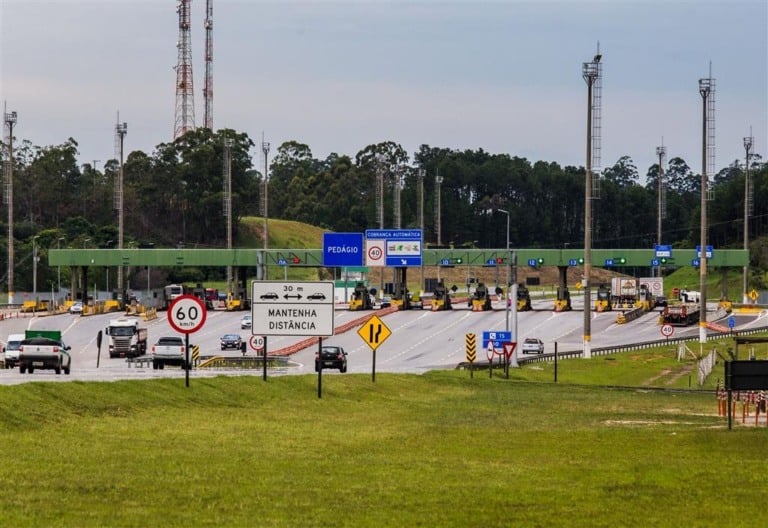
<point x="292" y="308"/>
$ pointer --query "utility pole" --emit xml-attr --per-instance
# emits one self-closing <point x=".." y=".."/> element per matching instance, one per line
<point x="265" y="151"/>
<point x="661" y="152"/>
<point x="228" y="205"/>
<point x="707" y="92"/>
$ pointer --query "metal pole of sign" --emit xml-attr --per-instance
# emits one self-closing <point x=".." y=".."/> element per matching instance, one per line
<point x="98" y="346"/>
<point x="265" y="358"/>
<point x="373" y="371"/>
<point x="186" y="358"/>
<point x="319" y="365"/>
<point x="555" y="361"/>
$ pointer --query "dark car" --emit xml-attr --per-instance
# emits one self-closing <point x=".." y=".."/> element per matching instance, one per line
<point x="332" y="357"/>
<point x="231" y="341"/>
<point x="316" y="297"/>
<point x="661" y="301"/>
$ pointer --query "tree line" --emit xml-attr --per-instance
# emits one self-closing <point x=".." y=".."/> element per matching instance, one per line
<point x="176" y="195"/>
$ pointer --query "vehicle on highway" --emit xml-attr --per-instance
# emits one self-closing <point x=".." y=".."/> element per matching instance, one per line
<point x="532" y="345"/>
<point x="11" y="350"/>
<point x="661" y="301"/>
<point x="331" y="357"/>
<point x="231" y="341"/>
<point x="44" y="353"/>
<point x="76" y="308"/>
<point x="386" y="302"/>
<point x="245" y="322"/>
<point x="169" y="351"/>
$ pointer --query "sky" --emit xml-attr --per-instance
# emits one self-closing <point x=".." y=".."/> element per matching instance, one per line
<point x="504" y="76"/>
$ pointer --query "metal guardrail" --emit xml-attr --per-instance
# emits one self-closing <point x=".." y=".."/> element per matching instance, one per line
<point x="606" y="351"/>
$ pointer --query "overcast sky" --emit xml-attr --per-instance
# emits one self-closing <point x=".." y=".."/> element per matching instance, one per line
<point x="504" y="76"/>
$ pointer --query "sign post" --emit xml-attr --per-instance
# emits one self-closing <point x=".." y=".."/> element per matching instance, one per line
<point x="187" y="314"/>
<point x="667" y="330"/>
<point x="374" y="332"/>
<point x="291" y="309"/>
<point x="259" y="344"/>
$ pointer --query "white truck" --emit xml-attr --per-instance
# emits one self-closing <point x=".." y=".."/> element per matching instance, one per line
<point x="126" y="338"/>
<point x="11" y="349"/>
<point x="169" y="351"/>
<point x="44" y="349"/>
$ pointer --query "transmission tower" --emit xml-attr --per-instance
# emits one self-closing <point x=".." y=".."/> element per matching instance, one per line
<point x="227" y="206"/>
<point x="749" y="201"/>
<point x="185" y="100"/>
<point x="208" y="87"/>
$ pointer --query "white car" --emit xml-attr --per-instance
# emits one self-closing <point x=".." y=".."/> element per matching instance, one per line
<point x="531" y="345"/>
<point x="245" y="322"/>
<point x="76" y="308"/>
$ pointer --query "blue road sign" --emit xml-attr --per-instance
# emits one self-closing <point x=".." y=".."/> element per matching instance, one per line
<point x="343" y="249"/>
<point x="609" y="262"/>
<point x="655" y="262"/>
<point x="695" y="262"/>
<point x="282" y="262"/>
<point x="663" y="251"/>
<point x="532" y="262"/>
<point x="708" y="252"/>
<point x="445" y="262"/>
<point x="498" y="338"/>
<point x="490" y="262"/>
<point x="403" y="247"/>
<point x="573" y="262"/>
<point x="731" y="322"/>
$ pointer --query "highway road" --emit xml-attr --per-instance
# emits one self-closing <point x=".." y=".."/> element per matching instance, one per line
<point x="420" y="340"/>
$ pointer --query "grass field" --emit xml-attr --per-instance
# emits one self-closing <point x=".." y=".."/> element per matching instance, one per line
<point x="441" y="449"/>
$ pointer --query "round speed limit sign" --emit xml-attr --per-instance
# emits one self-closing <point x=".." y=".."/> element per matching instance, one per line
<point x="257" y="343"/>
<point x="667" y="330"/>
<point x="187" y="314"/>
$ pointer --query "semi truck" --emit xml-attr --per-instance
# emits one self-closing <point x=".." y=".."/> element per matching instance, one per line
<point x="682" y="314"/>
<point x="44" y="349"/>
<point x="126" y="338"/>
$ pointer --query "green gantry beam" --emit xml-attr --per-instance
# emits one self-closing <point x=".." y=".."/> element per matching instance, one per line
<point x="622" y="258"/>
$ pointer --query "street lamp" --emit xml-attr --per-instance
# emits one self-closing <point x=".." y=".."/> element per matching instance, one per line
<point x="511" y="290"/>
<point x="34" y="267"/>
<point x="85" y="243"/>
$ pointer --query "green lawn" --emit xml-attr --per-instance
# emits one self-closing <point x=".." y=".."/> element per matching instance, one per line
<point x="441" y="449"/>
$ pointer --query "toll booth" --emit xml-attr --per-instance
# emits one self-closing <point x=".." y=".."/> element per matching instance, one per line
<point x="523" y="298"/>
<point x="441" y="299"/>
<point x="401" y="297"/>
<point x="361" y="298"/>
<point x="563" y="301"/>
<point x="481" y="298"/>
<point x="603" y="301"/>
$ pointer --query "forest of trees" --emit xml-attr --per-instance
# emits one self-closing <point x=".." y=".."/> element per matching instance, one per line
<point x="175" y="195"/>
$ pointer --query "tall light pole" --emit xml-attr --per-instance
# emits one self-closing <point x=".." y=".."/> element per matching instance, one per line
<point x="10" y="119"/>
<point x="58" y="270"/>
<point x="747" y="210"/>
<point x="420" y="191"/>
<point x="265" y="151"/>
<point x="438" y="206"/>
<point x="706" y="88"/>
<point x="34" y="267"/>
<point x="121" y="129"/>
<point x="509" y="263"/>
<point x="591" y="73"/>
<point x="661" y="152"/>
<point x="228" y="142"/>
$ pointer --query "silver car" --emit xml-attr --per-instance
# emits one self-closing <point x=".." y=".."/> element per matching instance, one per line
<point x="245" y="322"/>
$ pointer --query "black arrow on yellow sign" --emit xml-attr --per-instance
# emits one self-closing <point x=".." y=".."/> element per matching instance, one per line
<point x="471" y="346"/>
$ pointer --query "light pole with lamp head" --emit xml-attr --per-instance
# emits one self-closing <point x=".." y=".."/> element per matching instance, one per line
<point x="511" y="291"/>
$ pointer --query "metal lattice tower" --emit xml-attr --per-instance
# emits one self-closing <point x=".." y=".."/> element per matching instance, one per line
<point x="9" y="119"/>
<point x="185" y="99"/>
<point x="208" y="86"/>
<point x="748" y="207"/>
<point x="707" y="91"/>
<point x="593" y="75"/>
<point x="227" y="205"/>
<point x="438" y="228"/>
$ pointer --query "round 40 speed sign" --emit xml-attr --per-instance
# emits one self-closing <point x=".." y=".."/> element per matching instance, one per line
<point x="187" y="314"/>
